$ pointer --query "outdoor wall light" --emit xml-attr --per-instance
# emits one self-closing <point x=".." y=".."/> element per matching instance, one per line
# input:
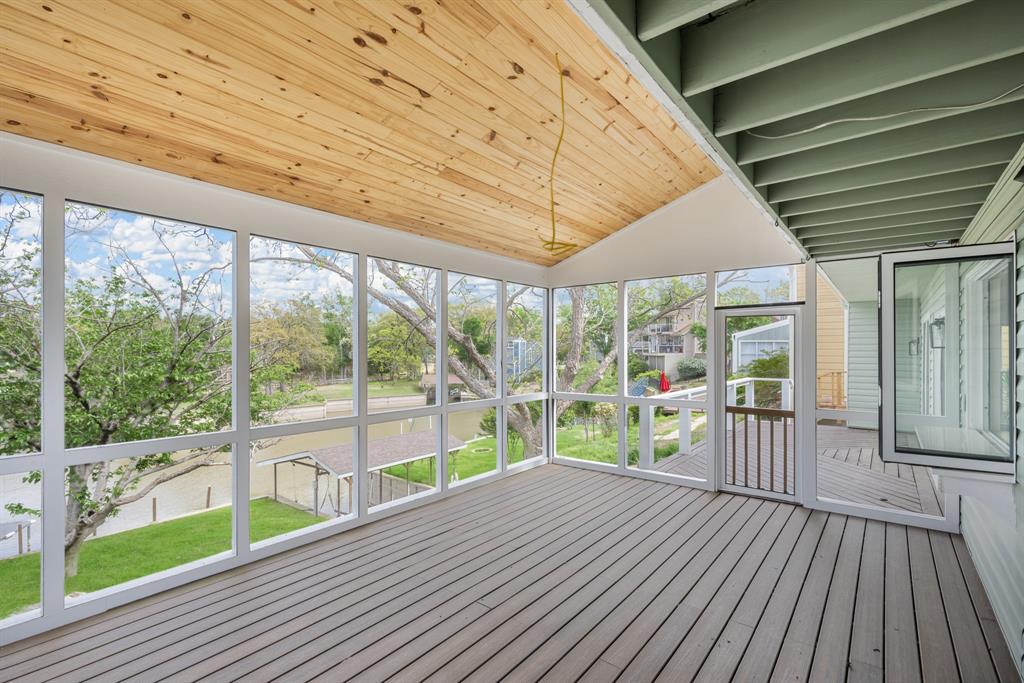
<point x="914" y="347"/>
<point x="937" y="333"/>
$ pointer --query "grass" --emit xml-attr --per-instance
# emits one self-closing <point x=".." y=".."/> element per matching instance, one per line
<point x="571" y="442"/>
<point x="334" y="392"/>
<point x="110" y="560"/>
<point x="478" y="457"/>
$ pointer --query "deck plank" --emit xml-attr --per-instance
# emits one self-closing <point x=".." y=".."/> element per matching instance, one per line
<point x="563" y="574"/>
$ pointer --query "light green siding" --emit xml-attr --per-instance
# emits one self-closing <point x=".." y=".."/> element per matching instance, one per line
<point x="862" y="359"/>
<point x="996" y="541"/>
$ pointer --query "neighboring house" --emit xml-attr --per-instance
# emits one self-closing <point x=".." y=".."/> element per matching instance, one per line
<point x="760" y="341"/>
<point x="522" y="357"/>
<point x="667" y="340"/>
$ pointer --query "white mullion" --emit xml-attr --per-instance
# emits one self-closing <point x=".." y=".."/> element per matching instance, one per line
<point x="441" y="378"/>
<point x="275" y="431"/>
<point x="547" y="363"/>
<point x="477" y="404"/>
<point x="512" y="399"/>
<point x="240" y="461"/>
<point x="806" y="401"/>
<point x="52" y="437"/>
<point x="622" y="370"/>
<point x="19" y="464"/>
<point x="135" y="449"/>
<point x="500" y="426"/>
<point x="360" y="383"/>
<point x="711" y="431"/>
<point x="402" y="414"/>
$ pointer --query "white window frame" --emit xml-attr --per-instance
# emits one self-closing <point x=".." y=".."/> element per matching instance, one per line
<point x="154" y="194"/>
<point x="887" y="431"/>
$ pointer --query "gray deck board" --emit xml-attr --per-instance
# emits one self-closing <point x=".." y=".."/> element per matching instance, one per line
<point x="563" y="574"/>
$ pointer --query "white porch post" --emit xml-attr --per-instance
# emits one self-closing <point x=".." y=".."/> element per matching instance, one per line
<point x="787" y="394"/>
<point x="684" y="430"/>
<point x="646" y="437"/>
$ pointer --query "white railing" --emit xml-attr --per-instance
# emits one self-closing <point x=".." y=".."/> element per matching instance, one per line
<point x="646" y="426"/>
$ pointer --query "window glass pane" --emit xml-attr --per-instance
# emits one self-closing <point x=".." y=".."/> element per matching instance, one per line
<point x="301" y="326"/>
<point x="133" y="517"/>
<point x="20" y="541"/>
<point x="668" y="439"/>
<point x="472" y="443"/>
<point x="402" y="458"/>
<point x="666" y="333"/>
<point x="472" y="337"/>
<point x="847" y="333"/>
<point x="952" y="351"/>
<point x="20" y="290"/>
<point x="401" y="339"/>
<point x="148" y="327"/>
<point x="587" y="430"/>
<point x="524" y="345"/>
<point x="751" y="286"/>
<point x="585" y="338"/>
<point x="525" y="432"/>
<point x="297" y="481"/>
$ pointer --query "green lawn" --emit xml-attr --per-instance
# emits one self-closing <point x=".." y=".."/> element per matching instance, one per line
<point x="333" y="392"/>
<point x="110" y="560"/>
<point x="478" y="457"/>
<point x="571" y="442"/>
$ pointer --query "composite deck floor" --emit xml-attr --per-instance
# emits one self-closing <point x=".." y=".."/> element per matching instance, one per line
<point x="562" y="574"/>
<point x="849" y="468"/>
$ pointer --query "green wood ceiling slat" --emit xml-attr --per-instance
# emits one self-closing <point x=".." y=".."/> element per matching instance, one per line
<point x="969" y="197"/>
<point x="764" y="35"/>
<point x="977" y="84"/>
<point x="920" y="187"/>
<point x="956" y="131"/>
<point x="965" y="36"/>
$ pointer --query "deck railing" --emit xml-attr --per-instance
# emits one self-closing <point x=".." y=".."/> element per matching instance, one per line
<point x="646" y="426"/>
<point x="759" y="416"/>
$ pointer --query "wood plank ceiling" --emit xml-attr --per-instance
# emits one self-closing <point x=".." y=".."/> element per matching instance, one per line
<point x="846" y="117"/>
<point x="434" y="117"/>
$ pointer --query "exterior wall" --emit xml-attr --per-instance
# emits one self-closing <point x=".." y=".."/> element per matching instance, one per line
<point x="832" y="346"/>
<point x="862" y="378"/>
<point x="995" y="538"/>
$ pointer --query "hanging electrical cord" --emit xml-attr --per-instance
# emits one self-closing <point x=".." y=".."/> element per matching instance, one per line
<point x="881" y="117"/>
<point x="553" y="245"/>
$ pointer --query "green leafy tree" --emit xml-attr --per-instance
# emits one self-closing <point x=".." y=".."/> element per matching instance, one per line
<point x="147" y="356"/>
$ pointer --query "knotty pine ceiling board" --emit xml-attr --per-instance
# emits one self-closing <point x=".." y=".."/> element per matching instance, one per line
<point x="438" y="117"/>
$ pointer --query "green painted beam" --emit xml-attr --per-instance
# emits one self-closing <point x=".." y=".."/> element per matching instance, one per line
<point x="897" y="207"/>
<point x="959" y="224"/>
<point x="1003" y="211"/>
<point x="970" y="86"/>
<point x="965" y="36"/>
<point x="921" y="187"/>
<point x="763" y="35"/>
<point x="655" y="17"/>
<point x="614" y="21"/>
<point x="964" y="213"/>
<point x="936" y="163"/>
<point x="956" y="131"/>
<point x="890" y="244"/>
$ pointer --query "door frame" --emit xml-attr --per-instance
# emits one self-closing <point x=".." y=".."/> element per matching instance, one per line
<point x="798" y="365"/>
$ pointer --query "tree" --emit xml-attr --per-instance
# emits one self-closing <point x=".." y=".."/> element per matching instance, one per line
<point x="147" y="355"/>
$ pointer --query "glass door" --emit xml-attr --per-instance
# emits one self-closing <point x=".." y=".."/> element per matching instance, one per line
<point x="947" y="358"/>
<point x="758" y="384"/>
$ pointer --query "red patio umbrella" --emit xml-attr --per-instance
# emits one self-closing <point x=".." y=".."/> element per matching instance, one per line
<point x="663" y="385"/>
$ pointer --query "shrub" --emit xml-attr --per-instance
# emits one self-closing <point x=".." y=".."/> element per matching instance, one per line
<point x="692" y="368"/>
